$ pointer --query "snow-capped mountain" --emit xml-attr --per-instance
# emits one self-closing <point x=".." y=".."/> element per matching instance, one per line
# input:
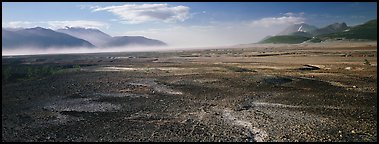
<point x="307" y="30"/>
<point x="303" y="27"/>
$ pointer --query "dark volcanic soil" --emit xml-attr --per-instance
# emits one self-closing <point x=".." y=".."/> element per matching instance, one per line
<point x="216" y="95"/>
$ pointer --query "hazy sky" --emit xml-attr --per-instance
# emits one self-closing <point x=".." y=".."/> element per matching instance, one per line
<point x="186" y="23"/>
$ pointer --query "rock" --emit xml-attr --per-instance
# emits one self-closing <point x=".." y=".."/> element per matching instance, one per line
<point x="311" y="67"/>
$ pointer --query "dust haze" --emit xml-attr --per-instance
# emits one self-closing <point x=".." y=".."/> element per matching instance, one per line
<point x="74" y="50"/>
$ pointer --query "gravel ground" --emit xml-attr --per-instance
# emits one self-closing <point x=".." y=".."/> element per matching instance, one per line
<point x="166" y="97"/>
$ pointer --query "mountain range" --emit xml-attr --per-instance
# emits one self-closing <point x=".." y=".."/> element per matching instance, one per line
<point x="39" y="37"/>
<point x="101" y="39"/>
<point x="299" y="33"/>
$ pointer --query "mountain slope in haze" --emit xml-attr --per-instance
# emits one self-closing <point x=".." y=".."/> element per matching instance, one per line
<point x="8" y="38"/>
<point x="101" y="39"/>
<point x="133" y="40"/>
<point x="69" y="37"/>
<point x="94" y="36"/>
<point x="40" y="38"/>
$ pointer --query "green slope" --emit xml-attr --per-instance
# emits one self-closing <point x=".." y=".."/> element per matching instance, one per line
<point x="367" y="31"/>
<point x="286" y="39"/>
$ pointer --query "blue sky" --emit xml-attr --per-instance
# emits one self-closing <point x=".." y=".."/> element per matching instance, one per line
<point x="187" y="23"/>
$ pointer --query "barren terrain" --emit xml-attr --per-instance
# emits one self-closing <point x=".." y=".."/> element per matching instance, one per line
<point x="305" y="92"/>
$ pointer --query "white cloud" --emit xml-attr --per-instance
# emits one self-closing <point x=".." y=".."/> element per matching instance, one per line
<point x="134" y="14"/>
<point x="18" y="24"/>
<point x="287" y="19"/>
<point x="56" y="24"/>
<point x="289" y="14"/>
<point x="294" y="14"/>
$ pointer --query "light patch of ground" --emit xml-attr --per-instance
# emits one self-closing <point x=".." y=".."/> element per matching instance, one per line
<point x="323" y="74"/>
<point x="257" y="134"/>
<point x="159" y="88"/>
<point x="122" y="95"/>
<point x="82" y="105"/>
<point x="278" y="105"/>
<point x="272" y="67"/>
<point x="205" y="80"/>
<point x="338" y="84"/>
<point x="142" y="69"/>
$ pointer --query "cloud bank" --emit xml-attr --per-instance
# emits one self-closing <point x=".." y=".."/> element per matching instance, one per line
<point x="57" y="24"/>
<point x="135" y="14"/>
<point x="287" y="19"/>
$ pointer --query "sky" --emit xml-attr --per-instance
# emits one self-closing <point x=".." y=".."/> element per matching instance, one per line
<point x="186" y="24"/>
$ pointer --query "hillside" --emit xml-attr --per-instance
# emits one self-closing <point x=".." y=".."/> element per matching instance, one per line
<point x="40" y="38"/>
<point x="333" y="28"/>
<point x="94" y="36"/>
<point x="287" y="39"/>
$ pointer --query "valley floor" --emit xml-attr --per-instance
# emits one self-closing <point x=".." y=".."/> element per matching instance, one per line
<point x="319" y="92"/>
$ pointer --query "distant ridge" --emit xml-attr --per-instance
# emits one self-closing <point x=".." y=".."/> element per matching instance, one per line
<point x="101" y="39"/>
<point x="39" y="37"/>
<point x="338" y="31"/>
